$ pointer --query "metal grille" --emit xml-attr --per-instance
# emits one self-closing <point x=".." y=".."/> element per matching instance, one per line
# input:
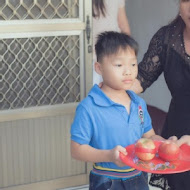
<point x="38" y="9"/>
<point x="39" y="71"/>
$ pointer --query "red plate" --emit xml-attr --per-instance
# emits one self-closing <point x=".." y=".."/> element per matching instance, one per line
<point x="157" y="165"/>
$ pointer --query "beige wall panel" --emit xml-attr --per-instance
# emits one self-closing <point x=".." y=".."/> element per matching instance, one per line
<point x="36" y="150"/>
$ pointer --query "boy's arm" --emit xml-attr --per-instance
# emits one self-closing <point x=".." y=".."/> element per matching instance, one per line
<point x="151" y="135"/>
<point x="89" y="154"/>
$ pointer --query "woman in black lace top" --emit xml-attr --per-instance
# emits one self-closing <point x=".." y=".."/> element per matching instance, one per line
<point x="169" y="52"/>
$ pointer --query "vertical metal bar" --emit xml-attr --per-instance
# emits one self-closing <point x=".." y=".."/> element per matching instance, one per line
<point x="81" y="12"/>
<point x="88" y="55"/>
<point x="82" y="67"/>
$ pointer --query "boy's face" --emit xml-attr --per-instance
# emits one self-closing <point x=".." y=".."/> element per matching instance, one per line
<point x="119" y="70"/>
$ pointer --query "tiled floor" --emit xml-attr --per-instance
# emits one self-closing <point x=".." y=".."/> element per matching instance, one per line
<point x="85" y="187"/>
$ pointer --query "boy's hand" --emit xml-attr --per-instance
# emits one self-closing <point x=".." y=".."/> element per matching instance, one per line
<point x="114" y="155"/>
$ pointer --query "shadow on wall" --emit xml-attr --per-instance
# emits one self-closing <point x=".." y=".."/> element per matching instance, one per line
<point x="158" y="117"/>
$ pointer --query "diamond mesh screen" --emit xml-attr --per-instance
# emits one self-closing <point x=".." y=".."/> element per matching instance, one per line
<point x="38" y="9"/>
<point x="39" y="71"/>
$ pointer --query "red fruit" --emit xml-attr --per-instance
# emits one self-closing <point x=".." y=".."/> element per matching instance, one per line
<point x="145" y="149"/>
<point x="168" y="151"/>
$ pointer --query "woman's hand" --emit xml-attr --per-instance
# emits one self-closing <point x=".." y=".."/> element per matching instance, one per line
<point x="100" y="84"/>
<point x="173" y="138"/>
<point x="184" y="140"/>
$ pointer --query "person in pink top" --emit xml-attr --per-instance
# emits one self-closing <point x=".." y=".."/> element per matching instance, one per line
<point x="108" y="15"/>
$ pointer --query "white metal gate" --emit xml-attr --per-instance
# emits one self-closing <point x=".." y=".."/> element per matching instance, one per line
<point x="45" y="70"/>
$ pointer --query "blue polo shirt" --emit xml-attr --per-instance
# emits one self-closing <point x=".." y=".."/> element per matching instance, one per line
<point x="104" y="124"/>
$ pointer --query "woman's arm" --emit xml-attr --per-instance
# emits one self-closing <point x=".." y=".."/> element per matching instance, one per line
<point x="152" y="65"/>
<point x="123" y="21"/>
<point x="150" y="68"/>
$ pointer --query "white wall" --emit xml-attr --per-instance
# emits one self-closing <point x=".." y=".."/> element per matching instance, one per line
<point x="145" y="18"/>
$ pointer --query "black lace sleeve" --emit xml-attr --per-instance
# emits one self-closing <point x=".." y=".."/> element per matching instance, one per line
<point x="152" y="64"/>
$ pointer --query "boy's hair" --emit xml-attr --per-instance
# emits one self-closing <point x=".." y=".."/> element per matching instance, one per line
<point x="109" y="43"/>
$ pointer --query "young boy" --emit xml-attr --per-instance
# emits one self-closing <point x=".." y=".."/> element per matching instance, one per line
<point x="112" y="117"/>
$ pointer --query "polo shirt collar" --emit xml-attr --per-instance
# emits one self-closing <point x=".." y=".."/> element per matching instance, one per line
<point x="134" y="97"/>
<point x="101" y="99"/>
